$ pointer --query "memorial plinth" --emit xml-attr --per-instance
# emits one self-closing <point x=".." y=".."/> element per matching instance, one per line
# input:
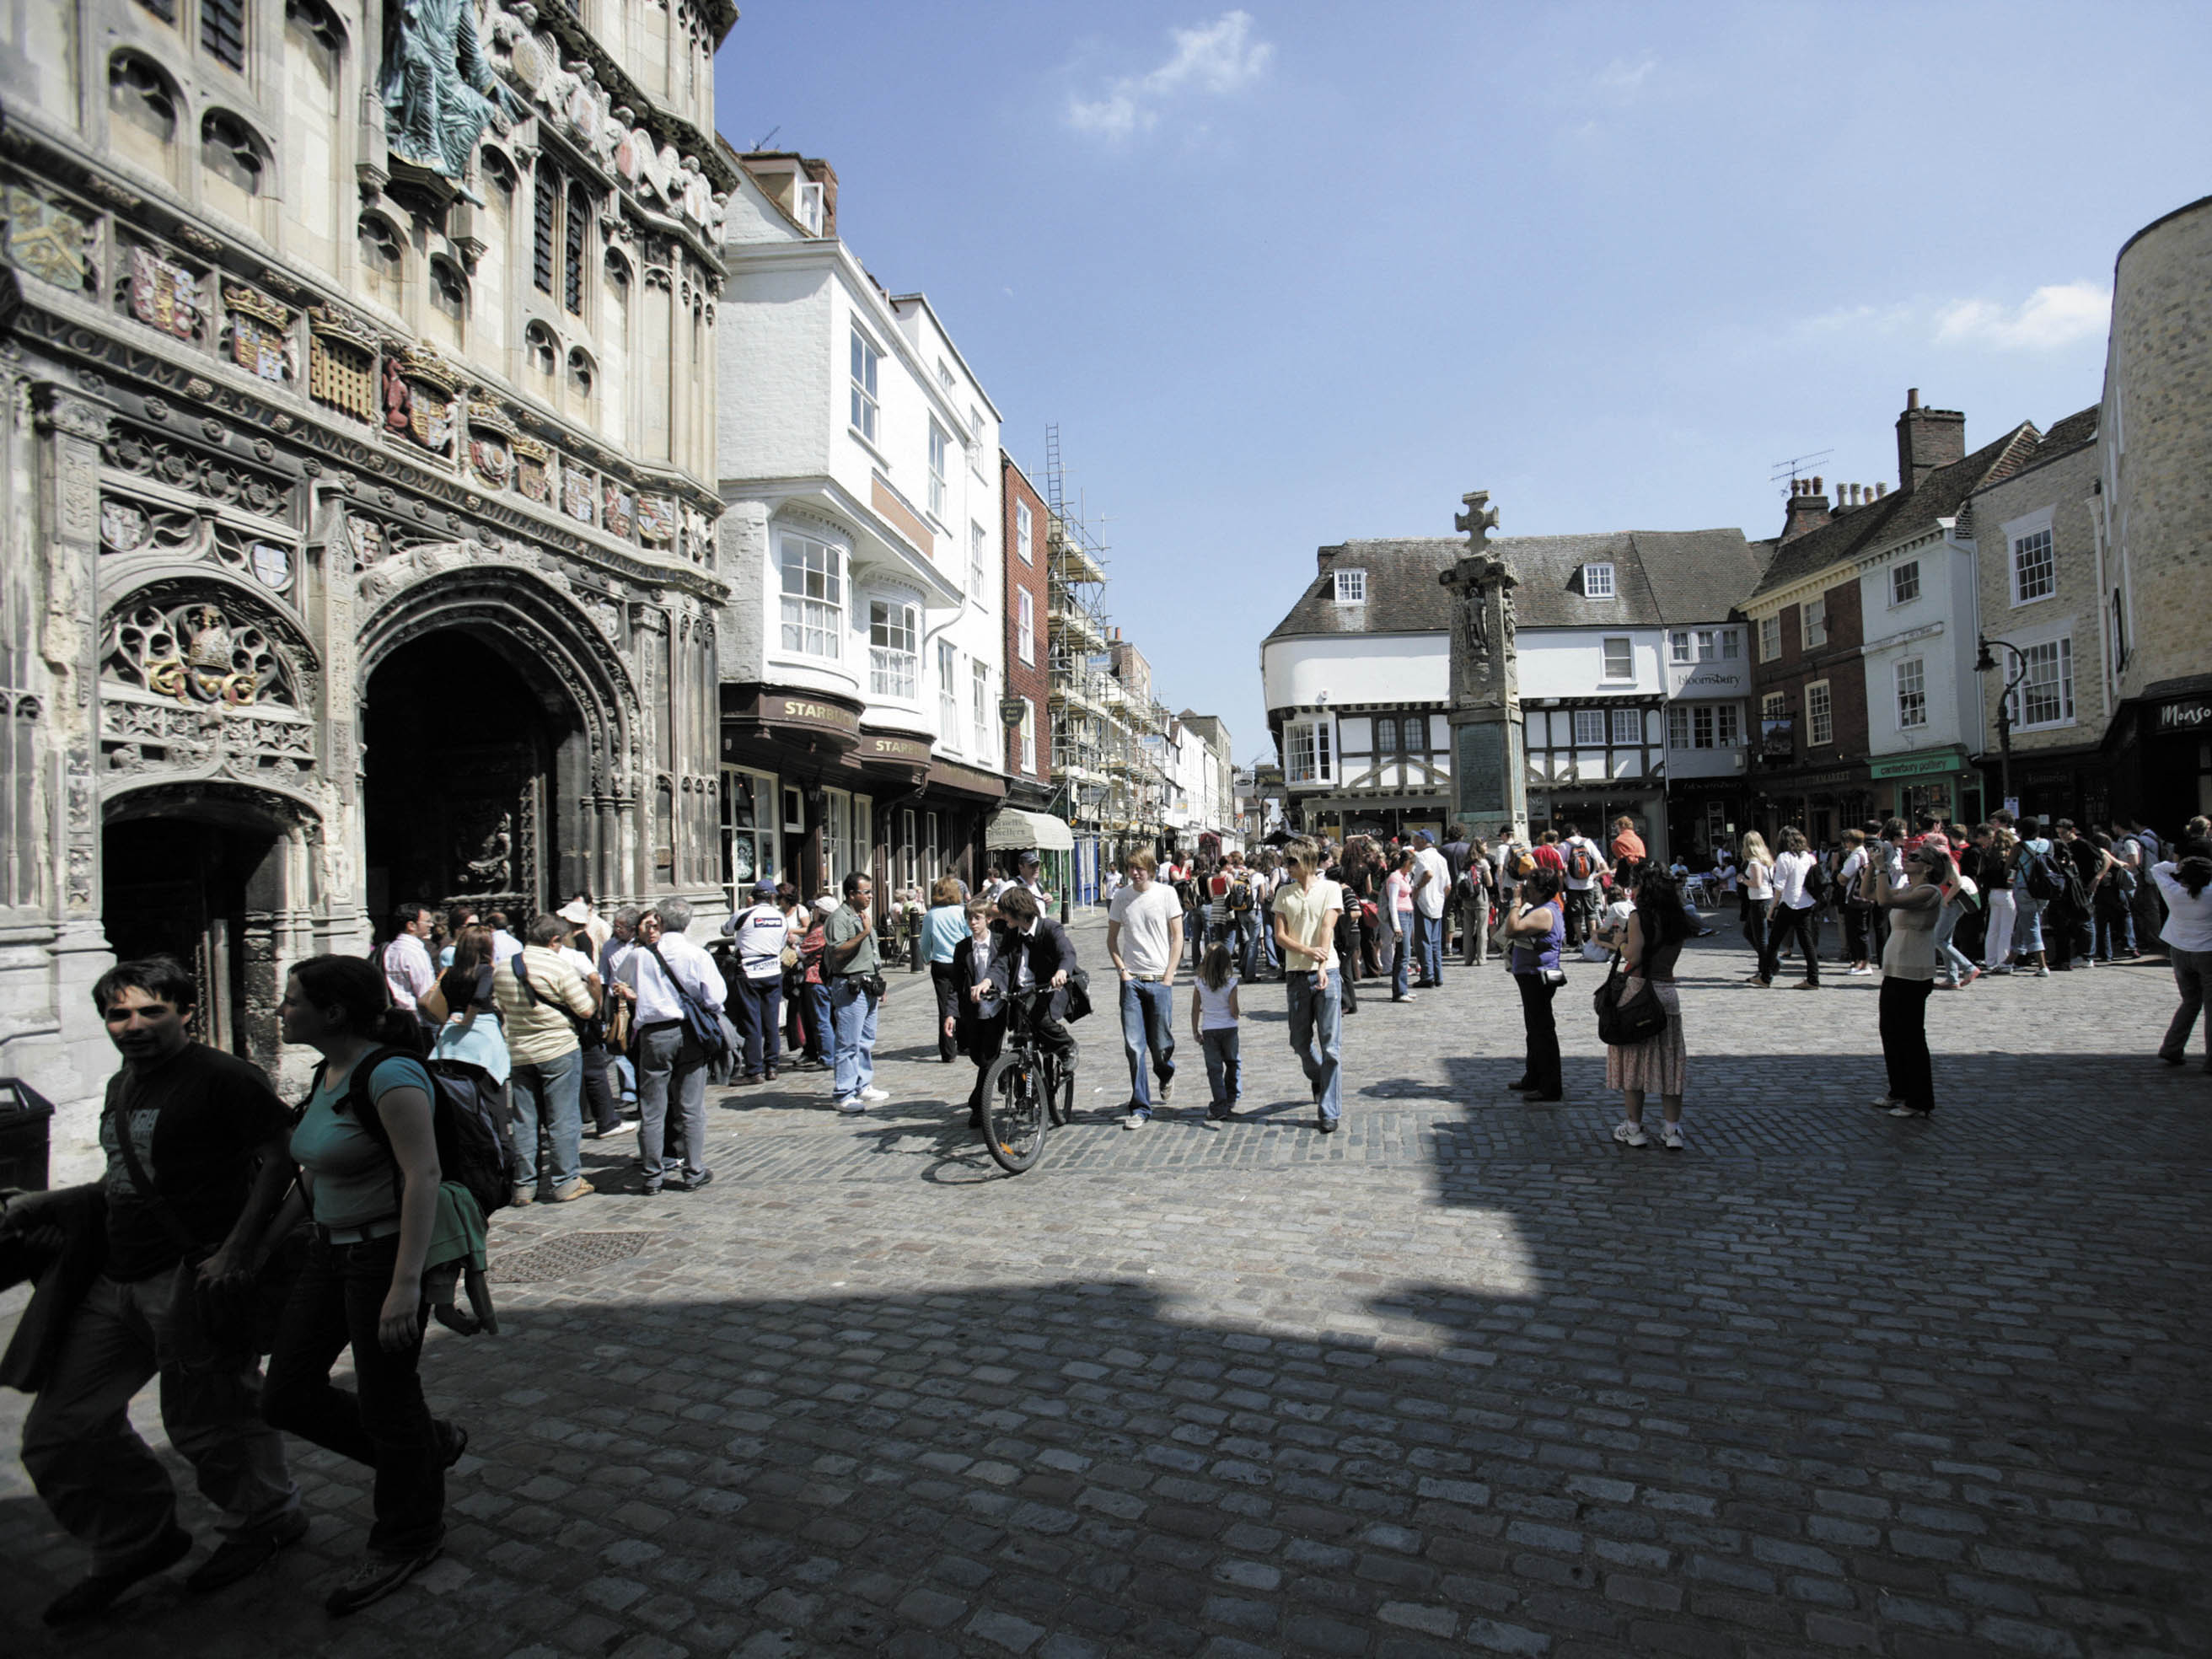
<point x="1489" y="769"/>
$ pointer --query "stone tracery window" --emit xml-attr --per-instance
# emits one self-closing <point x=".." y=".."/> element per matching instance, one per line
<point x="196" y="654"/>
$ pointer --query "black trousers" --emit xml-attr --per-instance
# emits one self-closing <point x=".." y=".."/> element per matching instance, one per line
<point x="600" y="1100"/>
<point x="984" y="1038"/>
<point x="946" y="981"/>
<point x="336" y="1303"/>
<point x="2065" y="931"/>
<point x="1904" y="1021"/>
<point x="1858" y="929"/>
<point x="1785" y="926"/>
<point x="1542" y="1033"/>
<point x="1754" y="935"/>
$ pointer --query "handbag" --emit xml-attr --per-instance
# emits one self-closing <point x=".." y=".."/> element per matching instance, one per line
<point x="1625" y="1021"/>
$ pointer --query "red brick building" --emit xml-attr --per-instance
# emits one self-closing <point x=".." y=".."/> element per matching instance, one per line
<point x="1029" y="744"/>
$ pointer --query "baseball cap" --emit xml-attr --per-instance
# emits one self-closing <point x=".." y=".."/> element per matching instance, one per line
<point x="1028" y="859"/>
<point x="824" y="905"/>
<point x="575" y="912"/>
<point x="763" y="889"/>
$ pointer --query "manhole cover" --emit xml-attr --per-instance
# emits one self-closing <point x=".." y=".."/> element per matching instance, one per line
<point x="566" y="1257"/>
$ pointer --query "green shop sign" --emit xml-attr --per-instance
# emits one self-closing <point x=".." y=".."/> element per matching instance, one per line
<point x="1918" y="766"/>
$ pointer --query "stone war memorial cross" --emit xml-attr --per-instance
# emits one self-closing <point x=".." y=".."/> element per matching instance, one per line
<point x="1488" y="762"/>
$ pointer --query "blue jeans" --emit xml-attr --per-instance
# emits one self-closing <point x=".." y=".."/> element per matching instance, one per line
<point x="1431" y="937"/>
<point x="757" y="1005"/>
<point x="1948" y="956"/>
<point x="1316" y="1033"/>
<point x="1244" y="939"/>
<point x="1225" y="1071"/>
<point x="2027" y="922"/>
<point x="818" y="1024"/>
<point x="1147" y="1027"/>
<point x="1401" y="952"/>
<point x="550" y="1094"/>
<point x="853" y="1018"/>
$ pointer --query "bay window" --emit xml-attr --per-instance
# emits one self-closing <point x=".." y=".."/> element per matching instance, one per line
<point x="813" y="597"/>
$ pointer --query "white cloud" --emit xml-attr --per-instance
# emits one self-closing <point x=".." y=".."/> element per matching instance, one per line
<point x="1213" y="60"/>
<point x="1622" y="80"/>
<point x="2053" y="316"/>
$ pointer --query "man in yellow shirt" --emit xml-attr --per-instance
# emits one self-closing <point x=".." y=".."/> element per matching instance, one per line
<point x="540" y="998"/>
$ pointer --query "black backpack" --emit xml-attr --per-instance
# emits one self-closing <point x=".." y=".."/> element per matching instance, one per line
<point x="1820" y="886"/>
<point x="470" y="1148"/>
<point x="1579" y="862"/>
<point x="2036" y="875"/>
<point x="1240" y="896"/>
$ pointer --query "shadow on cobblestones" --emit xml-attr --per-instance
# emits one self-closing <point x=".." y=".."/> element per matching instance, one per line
<point x="1910" y="1415"/>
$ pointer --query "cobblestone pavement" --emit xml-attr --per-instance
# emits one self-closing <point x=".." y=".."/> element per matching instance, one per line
<point x="1468" y="1376"/>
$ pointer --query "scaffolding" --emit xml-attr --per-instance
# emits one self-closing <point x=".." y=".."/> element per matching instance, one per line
<point x="1106" y="732"/>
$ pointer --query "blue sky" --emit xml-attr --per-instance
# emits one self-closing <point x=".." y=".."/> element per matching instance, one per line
<point x="1290" y="273"/>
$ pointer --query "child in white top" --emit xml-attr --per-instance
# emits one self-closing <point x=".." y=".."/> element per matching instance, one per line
<point x="1213" y="1017"/>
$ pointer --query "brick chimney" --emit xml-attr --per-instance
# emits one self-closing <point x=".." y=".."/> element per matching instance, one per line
<point x="1808" y="508"/>
<point x="1927" y="439"/>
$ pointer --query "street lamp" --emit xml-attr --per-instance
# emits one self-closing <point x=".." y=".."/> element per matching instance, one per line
<point x="1985" y="664"/>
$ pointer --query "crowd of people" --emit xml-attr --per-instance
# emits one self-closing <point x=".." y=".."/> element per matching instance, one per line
<point x="163" y="1266"/>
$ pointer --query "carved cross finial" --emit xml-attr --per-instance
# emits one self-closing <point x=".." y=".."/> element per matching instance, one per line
<point x="1478" y="521"/>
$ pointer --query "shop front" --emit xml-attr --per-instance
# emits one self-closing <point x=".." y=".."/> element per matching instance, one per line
<point x="1944" y="781"/>
<point x="2161" y="758"/>
<point x="1704" y="814"/>
<point x="1823" y="803"/>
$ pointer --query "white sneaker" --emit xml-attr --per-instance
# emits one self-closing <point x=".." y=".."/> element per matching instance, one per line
<point x="1670" y="1137"/>
<point x="1630" y="1134"/>
<point x="874" y="1095"/>
<point x="2043" y="973"/>
<point x="1167" y="1092"/>
<point x="852" y="1106"/>
<point x="1903" y="1110"/>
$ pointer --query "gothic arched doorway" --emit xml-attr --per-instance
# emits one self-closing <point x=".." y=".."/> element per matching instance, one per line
<point x="468" y="764"/>
<point x="207" y="873"/>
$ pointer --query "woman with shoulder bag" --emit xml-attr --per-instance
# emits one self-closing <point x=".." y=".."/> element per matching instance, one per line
<point x="1536" y="930"/>
<point x="1656" y="929"/>
<point x="373" y="1196"/>
<point x="1475" y="905"/>
<point x="471" y="1048"/>
<point x="942" y="931"/>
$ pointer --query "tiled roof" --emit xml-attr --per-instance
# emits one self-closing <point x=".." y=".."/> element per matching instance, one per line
<point x="1660" y="577"/>
<point x="1901" y="514"/>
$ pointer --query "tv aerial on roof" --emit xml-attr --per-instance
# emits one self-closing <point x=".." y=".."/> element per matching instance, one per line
<point x="1791" y="470"/>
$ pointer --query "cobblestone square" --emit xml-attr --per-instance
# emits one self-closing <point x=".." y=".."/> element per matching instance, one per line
<point x="1466" y="1378"/>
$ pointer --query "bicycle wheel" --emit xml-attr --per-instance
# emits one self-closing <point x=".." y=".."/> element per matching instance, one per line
<point x="1013" y="1114"/>
<point x="1060" y="1093"/>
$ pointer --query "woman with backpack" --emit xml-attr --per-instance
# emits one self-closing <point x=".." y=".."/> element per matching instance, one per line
<point x="2111" y="899"/>
<point x="2034" y="881"/>
<point x="1996" y="843"/>
<point x="374" y="1193"/>
<point x="1475" y="891"/>
<point x="1657" y="926"/>
<point x="470" y="1050"/>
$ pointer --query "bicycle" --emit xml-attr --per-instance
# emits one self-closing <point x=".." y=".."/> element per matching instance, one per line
<point x="1026" y="1093"/>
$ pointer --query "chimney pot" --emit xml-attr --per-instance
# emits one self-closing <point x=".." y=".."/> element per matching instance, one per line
<point x="1881" y="490"/>
<point x="1913" y="397"/>
<point x="1816" y="484"/>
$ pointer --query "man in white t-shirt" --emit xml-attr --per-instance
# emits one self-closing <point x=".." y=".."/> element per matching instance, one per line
<point x="1432" y="882"/>
<point x="1585" y="862"/>
<point x="1144" y="936"/>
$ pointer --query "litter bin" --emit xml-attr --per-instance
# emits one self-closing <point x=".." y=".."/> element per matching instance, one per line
<point x="26" y="1125"/>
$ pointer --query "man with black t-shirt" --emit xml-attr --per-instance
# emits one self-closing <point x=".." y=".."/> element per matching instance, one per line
<point x="183" y="1129"/>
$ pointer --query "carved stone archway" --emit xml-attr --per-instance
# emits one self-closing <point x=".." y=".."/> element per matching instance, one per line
<point x="585" y="801"/>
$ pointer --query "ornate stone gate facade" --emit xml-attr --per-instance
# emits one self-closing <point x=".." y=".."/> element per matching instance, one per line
<point x="276" y="411"/>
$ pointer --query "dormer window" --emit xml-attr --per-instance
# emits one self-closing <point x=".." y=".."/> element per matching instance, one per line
<point x="1351" y="587"/>
<point x="1597" y="582"/>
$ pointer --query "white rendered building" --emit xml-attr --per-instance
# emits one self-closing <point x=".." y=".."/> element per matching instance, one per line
<point x="861" y="658"/>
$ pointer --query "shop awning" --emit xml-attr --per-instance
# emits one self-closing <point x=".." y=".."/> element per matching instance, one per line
<point x="1010" y="827"/>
